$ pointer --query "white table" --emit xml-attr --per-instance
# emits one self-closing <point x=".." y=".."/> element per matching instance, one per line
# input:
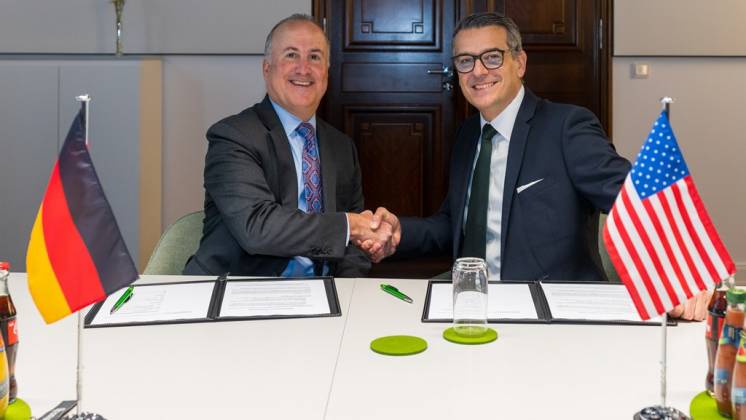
<point x="322" y="368"/>
<point x="47" y="354"/>
<point x="531" y="371"/>
<point x="238" y="369"/>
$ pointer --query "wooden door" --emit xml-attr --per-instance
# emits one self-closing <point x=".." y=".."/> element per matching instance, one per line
<point x="568" y="50"/>
<point x="391" y="89"/>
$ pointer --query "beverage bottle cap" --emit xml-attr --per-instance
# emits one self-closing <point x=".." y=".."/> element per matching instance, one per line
<point x="736" y="296"/>
<point x="4" y="265"/>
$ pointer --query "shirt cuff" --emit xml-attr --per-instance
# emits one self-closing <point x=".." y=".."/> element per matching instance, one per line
<point x="347" y="238"/>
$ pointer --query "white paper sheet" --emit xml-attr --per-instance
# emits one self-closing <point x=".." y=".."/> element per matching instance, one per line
<point x="281" y="297"/>
<point x="162" y="302"/>
<point x="504" y="301"/>
<point x="593" y="302"/>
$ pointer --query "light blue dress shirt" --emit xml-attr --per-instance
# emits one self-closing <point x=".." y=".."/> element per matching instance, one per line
<point x="298" y="266"/>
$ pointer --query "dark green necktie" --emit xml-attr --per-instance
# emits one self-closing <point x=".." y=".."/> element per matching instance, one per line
<point x="475" y="231"/>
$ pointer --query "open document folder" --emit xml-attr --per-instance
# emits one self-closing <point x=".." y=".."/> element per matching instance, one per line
<point x="542" y="302"/>
<point x="219" y="300"/>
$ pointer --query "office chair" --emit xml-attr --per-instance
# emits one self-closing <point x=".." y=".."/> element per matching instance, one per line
<point x="177" y="244"/>
<point x="609" y="269"/>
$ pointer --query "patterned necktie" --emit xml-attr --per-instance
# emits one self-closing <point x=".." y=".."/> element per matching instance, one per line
<point x="311" y="169"/>
<point x="475" y="231"/>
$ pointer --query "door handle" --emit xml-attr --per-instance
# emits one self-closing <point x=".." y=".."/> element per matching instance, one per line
<point x="446" y="76"/>
<point x="445" y="70"/>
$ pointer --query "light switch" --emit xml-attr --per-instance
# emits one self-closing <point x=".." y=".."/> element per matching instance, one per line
<point x="640" y="70"/>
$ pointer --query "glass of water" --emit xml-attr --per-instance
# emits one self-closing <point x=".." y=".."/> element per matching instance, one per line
<point x="469" y="297"/>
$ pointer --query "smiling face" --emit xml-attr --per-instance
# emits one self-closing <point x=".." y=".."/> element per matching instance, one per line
<point x="297" y="70"/>
<point x="490" y="91"/>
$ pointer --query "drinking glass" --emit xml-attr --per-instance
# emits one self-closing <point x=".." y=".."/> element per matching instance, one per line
<point x="470" y="297"/>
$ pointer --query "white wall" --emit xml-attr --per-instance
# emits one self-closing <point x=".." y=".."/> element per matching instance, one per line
<point x="197" y="92"/>
<point x="149" y="26"/>
<point x="696" y="54"/>
<point x="680" y="27"/>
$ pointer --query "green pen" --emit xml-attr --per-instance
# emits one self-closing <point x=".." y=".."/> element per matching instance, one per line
<point x="393" y="291"/>
<point x="126" y="296"/>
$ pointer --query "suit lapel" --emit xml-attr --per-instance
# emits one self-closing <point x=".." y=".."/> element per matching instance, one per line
<point x="287" y="178"/>
<point x="328" y="167"/>
<point x="469" y="138"/>
<point x="518" y="140"/>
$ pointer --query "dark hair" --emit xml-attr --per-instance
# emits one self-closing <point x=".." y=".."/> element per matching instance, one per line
<point x="296" y="17"/>
<point x="481" y="20"/>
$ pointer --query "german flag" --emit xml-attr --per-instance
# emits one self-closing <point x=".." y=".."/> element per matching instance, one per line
<point x="76" y="255"/>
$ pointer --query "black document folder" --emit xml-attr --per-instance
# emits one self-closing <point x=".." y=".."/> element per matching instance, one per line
<point x="212" y="313"/>
<point x="542" y="305"/>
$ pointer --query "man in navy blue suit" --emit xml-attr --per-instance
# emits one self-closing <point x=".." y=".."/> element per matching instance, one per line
<point x="526" y="174"/>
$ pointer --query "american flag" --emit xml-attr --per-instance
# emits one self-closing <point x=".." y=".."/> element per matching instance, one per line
<point x="658" y="234"/>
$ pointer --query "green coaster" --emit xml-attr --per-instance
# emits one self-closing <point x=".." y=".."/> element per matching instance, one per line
<point x="487" y="337"/>
<point x="703" y="407"/>
<point x="19" y="410"/>
<point x="398" y="345"/>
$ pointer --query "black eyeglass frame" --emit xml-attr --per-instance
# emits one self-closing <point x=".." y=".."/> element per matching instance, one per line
<point x="479" y="56"/>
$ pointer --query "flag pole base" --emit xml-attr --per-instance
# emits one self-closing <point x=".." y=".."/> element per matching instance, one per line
<point x="658" y="412"/>
<point x="85" y="416"/>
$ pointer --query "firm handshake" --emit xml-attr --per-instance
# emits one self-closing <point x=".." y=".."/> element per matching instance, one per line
<point x="376" y="234"/>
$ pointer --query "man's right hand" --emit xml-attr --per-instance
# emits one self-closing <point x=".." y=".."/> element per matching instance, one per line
<point x="377" y="235"/>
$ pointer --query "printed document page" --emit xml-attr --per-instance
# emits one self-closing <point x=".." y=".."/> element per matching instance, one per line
<point x="281" y="297"/>
<point x="593" y="302"/>
<point x="158" y="302"/>
<point x="504" y="301"/>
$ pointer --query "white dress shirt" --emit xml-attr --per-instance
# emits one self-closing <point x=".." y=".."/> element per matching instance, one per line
<point x="503" y="123"/>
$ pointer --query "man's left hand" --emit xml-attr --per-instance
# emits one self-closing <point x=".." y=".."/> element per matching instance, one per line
<point x="694" y="309"/>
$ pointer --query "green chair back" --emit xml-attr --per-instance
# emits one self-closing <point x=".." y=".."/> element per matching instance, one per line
<point x="609" y="269"/>
<point x="177" y="244"/>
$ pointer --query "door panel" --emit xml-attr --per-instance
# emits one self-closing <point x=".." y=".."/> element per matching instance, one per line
<point x="370" y="24"/>
<point x="389" y="77"/>
<point x="397" y="144"/>
<point x="544" y="22"/>
<point x="563" y="41"/>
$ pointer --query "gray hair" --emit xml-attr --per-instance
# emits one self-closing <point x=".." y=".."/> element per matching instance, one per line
<point x="481" y="20"/>
<point x="296" y="17"/>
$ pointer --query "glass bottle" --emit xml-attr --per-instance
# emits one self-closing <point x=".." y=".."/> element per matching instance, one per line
<point x="713" y="326"/>
<point x="470" y="297"/>
<point x="4" y="382"/>
<point x="727" y="347"/>
<point x="738" y="391"/>
<point x="8" y="328"/>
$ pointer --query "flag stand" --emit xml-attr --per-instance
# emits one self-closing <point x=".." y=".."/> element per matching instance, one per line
<point x="79" y="415"/>
<point x="662" y="411"/>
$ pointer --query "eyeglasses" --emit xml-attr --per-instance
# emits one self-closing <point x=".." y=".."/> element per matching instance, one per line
<point x="491" y="59"/>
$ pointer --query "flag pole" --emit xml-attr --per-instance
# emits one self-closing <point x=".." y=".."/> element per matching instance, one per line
<point x="666" y="105"/>
<point x="86" y="100"/>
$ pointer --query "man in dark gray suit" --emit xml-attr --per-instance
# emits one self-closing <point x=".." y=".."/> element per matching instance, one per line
<point x="282" y="187"/>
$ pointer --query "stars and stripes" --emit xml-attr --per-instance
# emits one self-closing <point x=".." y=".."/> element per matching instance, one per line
<point x="658" y="234"/>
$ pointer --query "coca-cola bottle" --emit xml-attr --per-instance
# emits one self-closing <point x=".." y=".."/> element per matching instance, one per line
<point x="4" y="383"/>
<point x="8" y="327"/>
<point x="714" y="325"/>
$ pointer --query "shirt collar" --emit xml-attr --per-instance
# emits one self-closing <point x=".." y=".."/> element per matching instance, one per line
<point x="289" y="121"/>
<point x="505" y="121"/>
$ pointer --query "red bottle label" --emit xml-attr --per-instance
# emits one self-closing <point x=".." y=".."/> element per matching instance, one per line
<point x="714" y="326"/>
<point x="12" y="332"/>
<point x="9" y="330"/>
